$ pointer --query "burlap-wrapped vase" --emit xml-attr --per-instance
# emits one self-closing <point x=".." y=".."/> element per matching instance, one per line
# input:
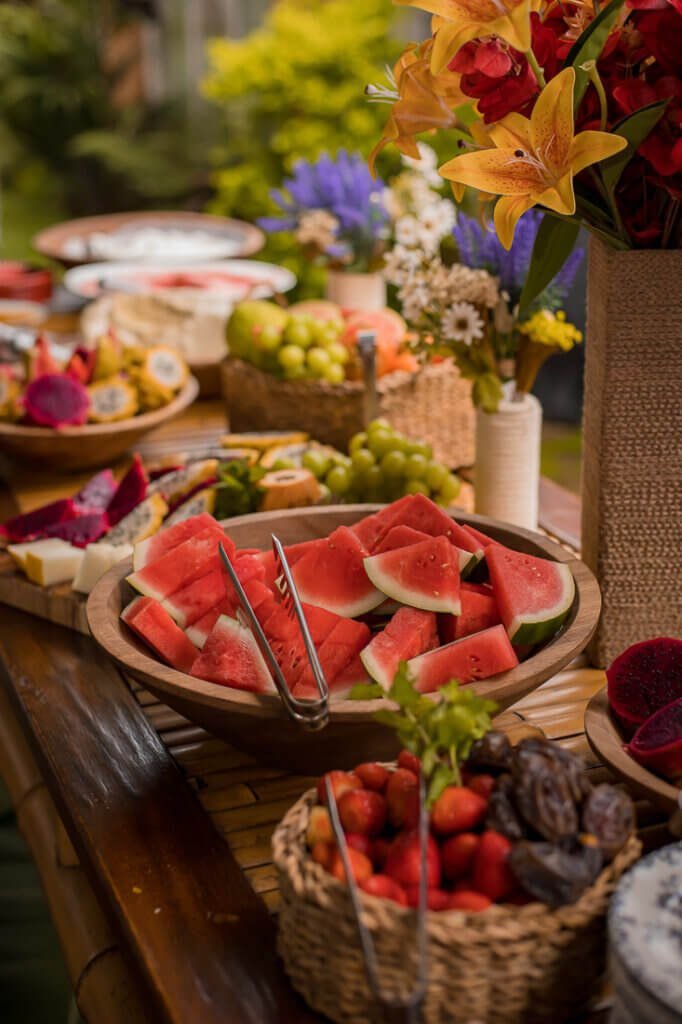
<point x="433" y="404"/>
<point x="632" y="462"/>
<point x="507" y="965"/>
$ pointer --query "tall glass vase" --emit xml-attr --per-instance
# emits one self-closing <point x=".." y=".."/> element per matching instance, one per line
<point x="507" y="472"/>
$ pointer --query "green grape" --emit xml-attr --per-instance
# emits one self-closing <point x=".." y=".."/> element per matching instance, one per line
<point x="435" y="476"/>
<point x="416" y="466"/>
<point x="338" y="480"/>
<point x="449" y="488"/>
<point x="284" y="463"/>
<point x="400" y="443"/>
<point x="380" y="442"/>
<point x="318" y="360"/>
<point x="393" y="465"/>
<point x="291" y="357"/>
<point x="319" y="332"/>
<point x="269" y="338"/>
<point x="295" y="372"/>
<point x="298" y="332"/>
<point x="318" y="462"/>
<point x="378" y="424"/>
<point x="374" y="480"/>
<point x="363" y="460"/>
<point x="416" y="487"/>
<point x="357" y="441"/>
<point x="420" y="448"/>
<point x="335" y="373"/>
<point x="338" y="352"/>
<point x="339" y="459"/>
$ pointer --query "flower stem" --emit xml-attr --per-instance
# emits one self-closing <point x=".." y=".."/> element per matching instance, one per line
<point x="537" y="70"/>
<point x="590" y="66"/>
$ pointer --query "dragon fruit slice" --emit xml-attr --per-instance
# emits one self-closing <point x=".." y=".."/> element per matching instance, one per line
<point x="644" y="678"/>
<point x="98" y="491"/>
<point x="129" y="493"/>
<point x="56" y="400"/>
<point x="657" y="744"/>
<point x="31" y="525"/>
<point x="82" y="530"/>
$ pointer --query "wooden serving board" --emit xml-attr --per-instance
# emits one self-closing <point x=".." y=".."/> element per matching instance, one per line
<point x="59" y="604"/>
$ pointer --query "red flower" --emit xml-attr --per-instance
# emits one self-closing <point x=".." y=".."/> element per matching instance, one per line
<point x="661" y="31"/>
<point x="499" y="77"/>
<point x="654" y="5"/>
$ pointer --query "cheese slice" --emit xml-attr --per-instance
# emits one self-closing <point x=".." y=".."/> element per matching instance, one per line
<point x="58" y="564"/>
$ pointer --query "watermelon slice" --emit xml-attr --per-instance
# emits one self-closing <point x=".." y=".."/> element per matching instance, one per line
<point x="409" y="633"/>
<point x="182" y="565"/>
<point x="341" y="647"/>
<point x="332" y="576"/>
<point x="645" y="678"/>
<point x="130" y="492"/>
<point x="97" y="492"/>
<point x="424" y="575"/>
<point x="192" y="602"/>
<point x="657" y="744"/>
<point x="479" y="611"/>
<point x="82" y="530"/>
<point x="370" y="529"/>
<point x="400" y="537"/>
<point x="200" y="630"/>
<point x="231" y="657"/>
<point x="168" y="538"/>
<point x="474" y="657"/>
<point x="482" y="539"/>
<point x="533" y="595"/>
<point x="31" y="525"/>
<point x="152" y="622"/>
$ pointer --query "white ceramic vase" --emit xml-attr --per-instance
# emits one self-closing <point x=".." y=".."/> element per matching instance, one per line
<point x="507" y="473"/>
<point x="356" y="291"/>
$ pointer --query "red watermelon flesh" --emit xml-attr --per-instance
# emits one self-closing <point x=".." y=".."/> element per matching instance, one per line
<point x="424" y="575"/>
<point x="97" y="492"/>
<point x="419" y="512"/>
<point x="31" y="525"/>
<point x="332" y="576"/>
<point x="409" y="633"/>
<point x="534" y="595"/>
<point x="130" y="492"/>
<point x="82" y="530"/>
<point x="154" y="625"/>
<point x="400" y="537"/>
<point x="370" y="529"/>
<point x="353" y="673"/>
<point x="190" y="603"/>
<point x="482" y="539"/>
<point x="340" y="647"/>
<point x="474" y="657"/>
<point x="657" y="744"/>
<point x="645" y="678"/>
<point x="165" y="540"/>
<point x="479" y="611"/>
<point x="200" y="630"/>
<point x="231" y="657"/>
<point x="134" y="608"/>
<point x="184" y="564"/>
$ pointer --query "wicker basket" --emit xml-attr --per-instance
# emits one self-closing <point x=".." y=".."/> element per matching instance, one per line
<point x="505" y="966"/>
<point x="433" y="404"/>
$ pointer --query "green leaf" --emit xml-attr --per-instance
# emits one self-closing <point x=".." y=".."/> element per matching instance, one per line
<point x="366" y="691"/>
<point x="635" y="129"/>
<point x="443" y="776"/>
<point x="393" y="719"/>
<point x="402" y="691"/>
<point x="487" y="392"/>
<point x="589" y="46"/>
<point x="553" y="244"/>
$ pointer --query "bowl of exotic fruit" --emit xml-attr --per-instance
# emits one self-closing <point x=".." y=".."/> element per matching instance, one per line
<point x="84" y="407"/>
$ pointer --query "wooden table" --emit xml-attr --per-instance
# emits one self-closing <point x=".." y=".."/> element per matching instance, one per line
<point x="153" y="838"/>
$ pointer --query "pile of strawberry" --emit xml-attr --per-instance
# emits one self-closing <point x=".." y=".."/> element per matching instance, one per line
<point x="379" y="809"/>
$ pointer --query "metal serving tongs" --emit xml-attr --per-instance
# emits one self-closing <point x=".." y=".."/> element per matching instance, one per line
<point x="390" y="1008"/>
<point x="311" y="715"/>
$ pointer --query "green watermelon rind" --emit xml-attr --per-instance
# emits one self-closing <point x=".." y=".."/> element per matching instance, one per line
<point x="379" y="674"/>
<point x="541" y="625"/>
<point x="388" y="586"/>
<point x="231" y="626"/>
<point x="468" y="560"/>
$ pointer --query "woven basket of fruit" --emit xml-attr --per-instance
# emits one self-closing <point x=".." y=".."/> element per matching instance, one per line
<point x="522" y="858"/>
<point x="298" y="369"/>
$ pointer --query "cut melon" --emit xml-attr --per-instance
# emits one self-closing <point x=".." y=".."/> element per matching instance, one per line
<point x="202" y="501"/>
<point x="144" y="520"/>
<point x="400" y="537"/>
<point x="481" y="539"/>
<point x="409" y="633"/>
<point x="190" y="603"/>
<point x="178" y="484"/>
<point x="479" y="611"/>
<point x="424" y="575"/>
<point x="200" y="630"/>
<point x="48" y="566"/>
<point x="331" y="575"/>
<point x="98" y="560"/>
<point x="336" y="652"/>
<point x="153" y="624"/>
<point x="182" y="565"/>
<point x="231" y="657"/>
<point x="169" y="537"/>
<point x="474" y="657"/>
<point x="20" y="551"/>
<point x="533" y="595"/>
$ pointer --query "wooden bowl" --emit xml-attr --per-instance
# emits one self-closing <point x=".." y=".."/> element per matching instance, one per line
<point x="258" y="724"/>
<point x="70" y="449"/>
<point x="54" y="241"/>
<point x="608" y="742"/>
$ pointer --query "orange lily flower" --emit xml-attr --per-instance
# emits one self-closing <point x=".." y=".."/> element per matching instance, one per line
<point x="534" y="161"/>
<point x="456" y="22"/>
<point x="423" y="101"/>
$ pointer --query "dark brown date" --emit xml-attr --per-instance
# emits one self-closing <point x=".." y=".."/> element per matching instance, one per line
<point x="609" y="815"/>
<point x="556" y="873"/>
<point x="493" y="752"/>
<point x="502" y="815"/>
<point x="544" y="792"/>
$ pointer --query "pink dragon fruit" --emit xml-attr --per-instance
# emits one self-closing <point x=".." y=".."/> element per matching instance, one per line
<point x="31" y="525"/>
<point x="56" y="400"/>
<point x="97" y="492"/>
<point x="82" y="530"/>
<point x="129" y="493"/>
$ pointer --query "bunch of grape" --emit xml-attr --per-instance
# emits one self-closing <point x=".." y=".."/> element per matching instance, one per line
<point x="383" y="465"/>
<point x="306" y="348"/>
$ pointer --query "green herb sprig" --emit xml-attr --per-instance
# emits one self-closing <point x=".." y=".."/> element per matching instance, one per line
<point x="440" y="733"/>
<point x="238" y="489"/>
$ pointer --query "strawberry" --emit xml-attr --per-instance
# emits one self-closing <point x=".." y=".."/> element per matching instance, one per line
<point x="482" y="784"/>
<point x="360" y="866"/>
<point x="363" y="811"/>
<point x="436" y="899"/>
<point x="492" y="874"/>
<point x="457" y="809"/>
<point x="319" y="827"/>
<point x="457" y="854"/>
<point x="402" y="797"/>
<point x="341" y="782"/>
<point x="322" y="853"/>
<point x="385" y="888"/>
<point x="402" y="863"/>
<point x="406" y="759"/>
<point x="468" y="900"/>
<point x="372" y="775"/>
<point x="380" y="848"/>
<point x="363" y="844"/>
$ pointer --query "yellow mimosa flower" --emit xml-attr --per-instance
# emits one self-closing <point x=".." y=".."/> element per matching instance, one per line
<point x="456" y="22"/>
<point x="534" y="161"/>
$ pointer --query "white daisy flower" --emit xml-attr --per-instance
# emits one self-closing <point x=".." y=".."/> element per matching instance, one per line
<point x="407" y="231"/>
<point x="425" y="164"/>
<point x="462" y="322"/>
<point x="317" y="227"/>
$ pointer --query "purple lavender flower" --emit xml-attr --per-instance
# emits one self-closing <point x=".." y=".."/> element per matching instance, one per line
<point x="480" y="248"/>
<point x="344" y="188"/>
